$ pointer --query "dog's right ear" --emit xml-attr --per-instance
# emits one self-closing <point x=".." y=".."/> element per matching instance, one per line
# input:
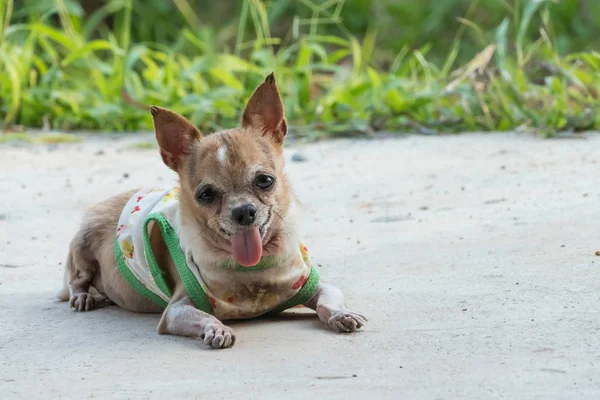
<point x="174" y="135"/>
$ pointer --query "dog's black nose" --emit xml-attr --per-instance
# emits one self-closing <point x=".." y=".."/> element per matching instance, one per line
<point x="244" y="215"/>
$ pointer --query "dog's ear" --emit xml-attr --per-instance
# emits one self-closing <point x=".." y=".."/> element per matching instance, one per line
<point x="174" y="135"/>
<point x="264" y="111"/>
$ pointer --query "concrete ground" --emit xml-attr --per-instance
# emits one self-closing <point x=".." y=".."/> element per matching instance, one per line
<point x="472" y="256"/>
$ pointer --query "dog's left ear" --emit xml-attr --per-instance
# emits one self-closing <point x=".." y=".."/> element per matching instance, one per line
<point x="174" y="134"/>
<point x="264" y="111"/>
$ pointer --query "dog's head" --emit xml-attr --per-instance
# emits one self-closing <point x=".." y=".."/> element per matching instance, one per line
<point x="233" y="189"/>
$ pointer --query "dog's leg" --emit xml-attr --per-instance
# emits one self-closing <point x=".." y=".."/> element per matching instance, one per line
<point x="81" y="269"/>
<point x="80" y="281"/>
<point x="183" y="319"/>
<point x="328" y="302"/>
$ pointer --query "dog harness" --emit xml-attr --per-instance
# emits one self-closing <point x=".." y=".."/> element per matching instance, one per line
<point x="228" y="290"/>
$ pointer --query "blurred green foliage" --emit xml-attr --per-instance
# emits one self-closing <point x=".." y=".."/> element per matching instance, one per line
<point x="353" y="66"/>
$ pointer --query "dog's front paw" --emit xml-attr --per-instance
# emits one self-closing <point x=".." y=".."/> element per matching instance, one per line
<point x="82" y="302"/>
<point x="218" y="336"/>
<point x="346" y="321"/>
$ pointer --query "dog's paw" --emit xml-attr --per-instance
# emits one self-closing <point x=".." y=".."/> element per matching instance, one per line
<point x="218" y="336"/>
<point x="82" y="302"/>
<point x="346" y="321"/>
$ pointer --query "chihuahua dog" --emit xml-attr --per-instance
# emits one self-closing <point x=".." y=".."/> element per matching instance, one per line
<point x="221" y="245"/>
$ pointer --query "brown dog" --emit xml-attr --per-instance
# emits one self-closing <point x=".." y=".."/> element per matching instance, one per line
<point x="222" y="245"/>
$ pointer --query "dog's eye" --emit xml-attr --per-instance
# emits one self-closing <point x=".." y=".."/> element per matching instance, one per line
<point x="206" y="195"/>
<point x="264" y="181"/>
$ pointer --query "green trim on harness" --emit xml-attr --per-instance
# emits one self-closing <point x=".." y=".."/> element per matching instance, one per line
<point x="158" y="275"/>
<point x="132" y="280"/>
<point x="306" y="292"/>
<point x="190" y="283"/>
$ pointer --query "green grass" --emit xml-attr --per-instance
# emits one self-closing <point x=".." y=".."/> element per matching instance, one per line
<point x="142" y="146"/>
<point x="62" y="70"/>
<point x="46" y="138"/>
<point x="15" y="138"/>
<point x="55" y="138"/>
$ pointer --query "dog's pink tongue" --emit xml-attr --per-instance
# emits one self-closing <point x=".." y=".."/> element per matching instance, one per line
<point x="247" y="247"/>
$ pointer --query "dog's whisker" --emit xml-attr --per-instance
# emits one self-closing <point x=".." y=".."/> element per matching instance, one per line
<point x="285" y="223"/>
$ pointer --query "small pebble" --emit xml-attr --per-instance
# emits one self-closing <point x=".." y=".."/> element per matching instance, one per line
<point x="298" y="157"/>
<point x="391" y="218"/>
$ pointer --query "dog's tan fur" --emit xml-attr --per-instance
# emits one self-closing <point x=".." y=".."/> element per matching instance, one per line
<point x="228" y="160"/>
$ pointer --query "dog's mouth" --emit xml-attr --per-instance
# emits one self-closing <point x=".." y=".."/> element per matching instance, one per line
<point x="247" y="244"/>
